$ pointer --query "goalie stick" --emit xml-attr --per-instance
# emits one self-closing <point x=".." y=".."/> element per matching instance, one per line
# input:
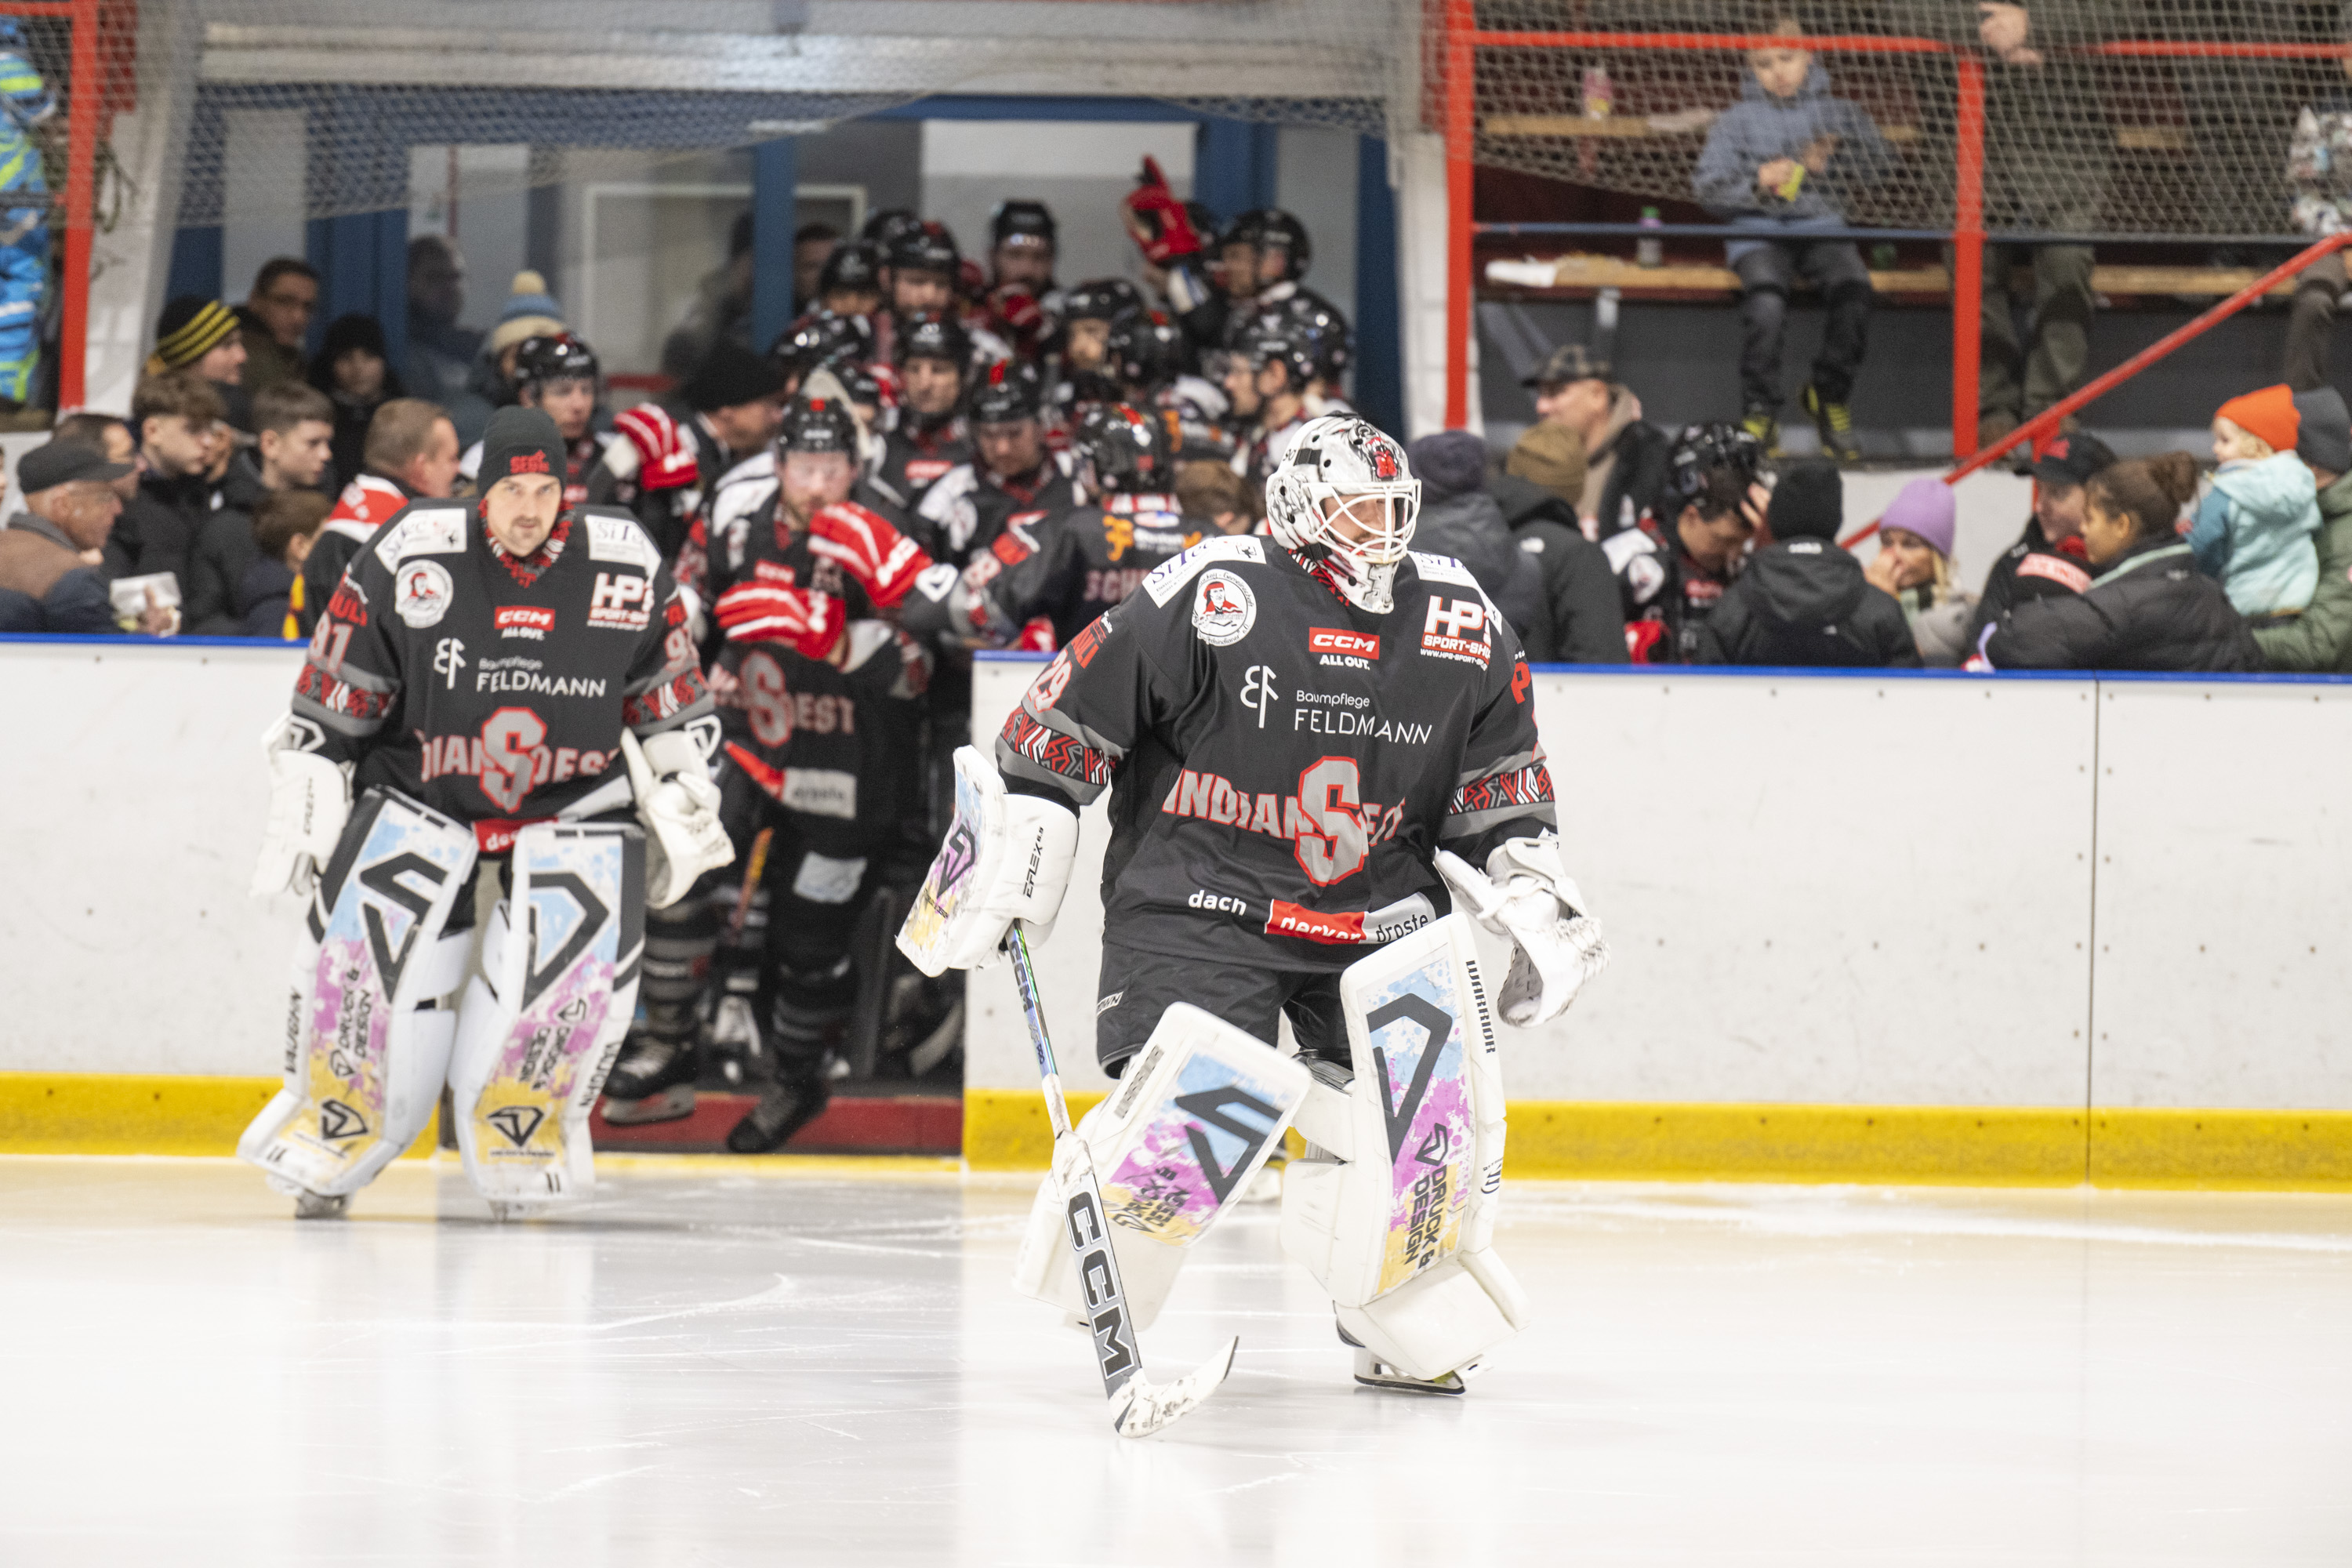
<point x="1137" y="1409"/>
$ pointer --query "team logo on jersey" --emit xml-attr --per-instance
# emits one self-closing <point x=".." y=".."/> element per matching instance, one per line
<point x="621" y="602"/>
<point x="1224" y="609"/>
<point x="1259" y="691"/>
<point x="1448" y="632"/>
<point x="422" y="593"/>
<point x="524" y="621"/>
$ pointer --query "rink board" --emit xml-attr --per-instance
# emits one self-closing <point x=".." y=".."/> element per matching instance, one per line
<point x="1868" y="928"/>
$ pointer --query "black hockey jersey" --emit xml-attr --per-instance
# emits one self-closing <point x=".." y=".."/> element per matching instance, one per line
<point x="1284" y="767"/>
<point x="1665" y="593"/>
<point x="969" y="506"/>
<point x="915" y="458"/>
<point x="491" y="688"/>
<point x="839" y="749"/>
<point x="1071" y="565"/>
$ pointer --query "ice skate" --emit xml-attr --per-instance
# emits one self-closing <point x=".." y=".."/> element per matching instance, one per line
<point x="785" y="1106"/>
<point x="312" y="1205"/>
<point x="652" y="1082"/>
<point x="1373" y="1373"/>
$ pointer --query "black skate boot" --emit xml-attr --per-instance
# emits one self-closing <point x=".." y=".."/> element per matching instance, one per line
<point x="653" y="1082"/>
<point x="785" y="1106"/>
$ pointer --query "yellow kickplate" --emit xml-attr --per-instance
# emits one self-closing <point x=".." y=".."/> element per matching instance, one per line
<point x="2275" y="1151"/>
<point x="132" y="1113"/>
<point x="1007" y="1128"/>
<point x="1966" y="1145"/>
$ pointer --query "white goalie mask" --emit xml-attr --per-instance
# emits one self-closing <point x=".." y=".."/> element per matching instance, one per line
<point x="1343" y="499"/>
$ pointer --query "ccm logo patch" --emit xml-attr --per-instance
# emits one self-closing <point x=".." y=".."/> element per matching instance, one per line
<point x="1331" y="639"/>
<point x="524" y="621"/>
<point x="1457" y="628"/>
<point x="622" y="603"/>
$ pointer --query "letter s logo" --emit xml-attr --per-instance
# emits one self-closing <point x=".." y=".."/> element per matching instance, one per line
<point x="1330" y="796"/>
<point x="511" y="748"/>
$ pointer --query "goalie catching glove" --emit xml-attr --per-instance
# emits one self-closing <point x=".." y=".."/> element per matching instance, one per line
<point x="1527" y="896"/>
<point x="1007" y="858"/>
<point x="678" y="806"/>
<point x="309" y="802"/>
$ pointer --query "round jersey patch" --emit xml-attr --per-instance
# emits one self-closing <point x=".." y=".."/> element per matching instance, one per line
<point x="422" y="593"/>
<point x="1224" y="610"/>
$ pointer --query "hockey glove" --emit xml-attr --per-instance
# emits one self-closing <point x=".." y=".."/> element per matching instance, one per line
<point x="1018" y="310"/>
<point x="309" y="802"/>
<point x="678" y="806"/>
<point x="1527" y="896"/>
<point x="885" y="562"/>
<point x="664" y="460"/>
<point x="1157" y="220"/>
<point x="807" y="622"/>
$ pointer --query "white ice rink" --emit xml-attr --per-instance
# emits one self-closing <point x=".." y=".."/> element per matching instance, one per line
<point x="723" y="1364"/>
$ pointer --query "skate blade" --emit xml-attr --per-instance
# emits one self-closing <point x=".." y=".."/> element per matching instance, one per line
<point x="672" y="1104"/>
<point x="313" y="1206"/>
<point x="1149" y="1409"/>
<point x="1373" y="1373"/>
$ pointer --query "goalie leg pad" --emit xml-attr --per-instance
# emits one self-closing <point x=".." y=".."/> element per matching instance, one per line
<point x="1178" y="1142"/>
<point x="366" y="1046"/>
<point x="543" y="1021"/>
<point x="1393" y="1211"/>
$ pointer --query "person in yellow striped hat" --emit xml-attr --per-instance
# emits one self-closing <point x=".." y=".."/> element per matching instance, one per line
<point x="202" y="335"/>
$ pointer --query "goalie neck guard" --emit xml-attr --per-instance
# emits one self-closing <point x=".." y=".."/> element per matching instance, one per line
<point x="1343" y="499"/>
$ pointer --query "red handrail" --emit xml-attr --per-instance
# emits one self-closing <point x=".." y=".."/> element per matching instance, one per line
<point x="85" y="91"/>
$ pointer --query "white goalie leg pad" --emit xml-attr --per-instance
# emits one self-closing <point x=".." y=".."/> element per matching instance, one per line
<point x="1006" y="857"/>
<point x="1393" y="1211"/>
<point x="544" y="1019"/>
<point x="1189" y="1126"/>
<point x="366" y="1046"/>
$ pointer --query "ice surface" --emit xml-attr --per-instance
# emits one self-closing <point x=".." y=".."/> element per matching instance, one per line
<point x="728" y="1363"/>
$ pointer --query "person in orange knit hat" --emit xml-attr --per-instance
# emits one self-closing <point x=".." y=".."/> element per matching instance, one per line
<point x="2254" y="528"/>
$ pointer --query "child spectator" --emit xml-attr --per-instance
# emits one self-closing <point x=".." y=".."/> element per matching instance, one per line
<point x="1801" y="600"/>
<point x="1781" y="161"/>
<point x="2148" y="608"/>
<point x="2321" y="637"/>
<point x="352" y="370"/>
<point x="1914" y="564"/>
<point x="284" y="525"/>
<point x="2254" y="528"/>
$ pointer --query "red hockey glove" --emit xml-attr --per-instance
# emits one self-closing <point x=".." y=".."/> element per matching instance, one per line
<point x="1157" y="220"/>
<point x="883" y="560"/>
<point x="1018" y="311"/>
<point x="664" y="460"/>
<point x="1036" y="636"/>
<point x="807" y="622"/>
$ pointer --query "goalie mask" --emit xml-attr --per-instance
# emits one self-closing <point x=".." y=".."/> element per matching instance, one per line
<point x="1344" y="501"/>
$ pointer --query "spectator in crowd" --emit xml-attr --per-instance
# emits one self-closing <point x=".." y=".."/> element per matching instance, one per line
<point x="292" y="452"/>
<point x="531" y="311"/>
<point x="175" y="416"/>
<point x="1586" y="623"/>
<point x="1802" y="601"/>
<point x="2254" y="527"/>
<point x="2319" y="172"/>
<point x="108" y="435"/>
<point x="1913" y="563"/>
<point x="1590" y="444"/>
<point x="2321" y="637"/>
<point x="812" y="246"/>
<point x="1460" y="518"/>
<point x="2047" y="150"/>
<point x="441" y="353"/>
<point x="268" y="595"/>
<point x="2148" y="607"/>
<point x="28" y="119"/>
<point x="1781" y="161"/>
<point x="1672" y="570"/>
<point x="355" y="372"/>
<point x="1209" y="497"/>
<point x="412" y="454"/>
<point x="276" y="320"/>
<point x="2048" y="559"/>
<point x="50" y="580"/>
<point x="721" y="312"/>
<point x="201" y="336"/>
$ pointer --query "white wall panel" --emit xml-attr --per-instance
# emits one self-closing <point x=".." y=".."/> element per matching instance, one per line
<point x="134" y="798"/>
<point x="2225" y="896"/>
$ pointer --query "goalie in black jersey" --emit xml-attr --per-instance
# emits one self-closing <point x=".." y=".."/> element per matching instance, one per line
<point x="1314" y="745"/>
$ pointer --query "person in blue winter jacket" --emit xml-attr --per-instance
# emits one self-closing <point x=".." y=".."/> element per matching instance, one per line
<point x="2256" y="528"/>
<point x="1781" y="161"/>
<point x="25" y="103"/>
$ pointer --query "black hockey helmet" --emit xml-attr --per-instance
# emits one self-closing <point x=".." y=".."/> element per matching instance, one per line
<point x="883" y="228"/>
<point x="1311" y="343"/>
<point x="818" y="425"/>
<point x="928" y="247"/>
<point x="823" y="338"/>
<point x="1103" y="300"/>
<point x="934" y="336"/>
<point x="1271" y="228"/>
<point x="1011" y="391"/>
<point x="1126" y="450"/>
<point x="1148" y="352"/>
<point x="1024" y="220"/>
<point x="857" y="265"/>
<point x="1703" y="450"/>
<point x="858" y="380"/>
<point x="553" y="357"/>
